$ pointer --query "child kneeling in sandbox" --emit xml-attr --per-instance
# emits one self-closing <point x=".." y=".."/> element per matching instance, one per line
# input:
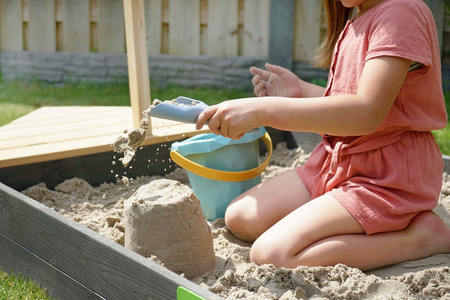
<point x="365" y="195"/>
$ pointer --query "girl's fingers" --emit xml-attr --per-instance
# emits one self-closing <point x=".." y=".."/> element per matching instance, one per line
<point x="256" y="79"/>
<point x="275" y="69"/>
<point x="255" y="71"/>
<point x="264" y="74"/>
<point x="205" y="116"/>
<point x="258" y="85"/>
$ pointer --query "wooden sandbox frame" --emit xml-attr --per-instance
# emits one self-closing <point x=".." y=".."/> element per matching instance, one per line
<point x="70" y="260"/>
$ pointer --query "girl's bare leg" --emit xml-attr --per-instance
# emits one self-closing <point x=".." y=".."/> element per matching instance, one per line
<point x="291" y="230"/>
<point x="283" y="244"/>
<point x="256" y="210"/>
<point x="426" y="235"/>
<point x="323" y="233"/>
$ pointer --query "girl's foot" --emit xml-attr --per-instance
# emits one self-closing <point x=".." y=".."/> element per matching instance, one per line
<point x="430" y="235"/>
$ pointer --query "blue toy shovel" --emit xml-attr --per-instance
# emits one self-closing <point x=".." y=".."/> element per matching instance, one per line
<point x="182" y="109"/>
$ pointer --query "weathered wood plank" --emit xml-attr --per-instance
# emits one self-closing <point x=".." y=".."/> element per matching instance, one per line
<point x="256" y="28"/>
<point x="137" y="57"/>
<point x="223" y="28"/>
<point x="153" y="22"/>
<point x="106" y="268"/>
<point x="281" y="36"/>
<point x="76" y="26"/>
<point x="21" y="261"/>
<point x="98" y="168"/>
<point x="110" y="26"/>
<point x="184" y="27"/>
<point x="306" y="140"/>
<point x="94" y="168"/>
<point x="42" y="26"/>
<point x="51" y="133"/>
<point x="71" y="148"/>
<point x="446" y="163"/>
<point x="307" y="28"/>
<point x="56" y="120"/>
<point x="11" y="25"/>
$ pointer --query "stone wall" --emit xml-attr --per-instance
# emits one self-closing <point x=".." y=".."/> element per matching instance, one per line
<point x="165" y="70"/>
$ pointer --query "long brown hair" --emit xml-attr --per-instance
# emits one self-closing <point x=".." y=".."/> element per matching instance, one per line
<point x="337" y="17"/>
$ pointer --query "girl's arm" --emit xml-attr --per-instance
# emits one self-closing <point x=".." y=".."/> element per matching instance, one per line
<point x="344" y="115"/>
<point x="278" y="81"/>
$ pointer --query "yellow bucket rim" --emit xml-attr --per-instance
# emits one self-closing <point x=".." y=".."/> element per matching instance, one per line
<point x="214" y="174"/>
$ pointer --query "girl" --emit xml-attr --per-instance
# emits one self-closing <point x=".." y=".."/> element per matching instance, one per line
<point x="365" y="195"/>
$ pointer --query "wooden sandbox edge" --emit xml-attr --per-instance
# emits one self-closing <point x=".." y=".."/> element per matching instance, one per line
<point x="446" y="163"/>
<point x="67" y="258"/>
<point x="72" y="261"/>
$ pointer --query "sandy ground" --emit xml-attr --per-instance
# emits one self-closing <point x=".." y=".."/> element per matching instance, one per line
<point x="101" y="209"/>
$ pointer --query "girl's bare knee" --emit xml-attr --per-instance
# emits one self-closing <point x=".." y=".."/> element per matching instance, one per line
<point x="238" y="223"/>
<point x="259" y="255"/>
<point x="264" y="252"/>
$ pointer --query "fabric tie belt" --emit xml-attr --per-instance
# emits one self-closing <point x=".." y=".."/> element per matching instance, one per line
<point x="342" y="147"/>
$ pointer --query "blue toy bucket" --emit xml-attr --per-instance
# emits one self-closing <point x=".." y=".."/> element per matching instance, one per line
<point x="220" y="169"/>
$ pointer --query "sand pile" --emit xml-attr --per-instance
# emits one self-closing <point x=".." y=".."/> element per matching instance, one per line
<point x="164" y="219"/>
<point x="102" y="209"/>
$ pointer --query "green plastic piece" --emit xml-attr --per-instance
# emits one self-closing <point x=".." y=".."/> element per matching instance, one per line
<point x="185" y="294"/>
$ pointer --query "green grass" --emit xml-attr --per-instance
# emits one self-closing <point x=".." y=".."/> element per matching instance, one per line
<point x="17" y="99"/>
<point x="18" y="287"/>
<point x="443" y="136"/>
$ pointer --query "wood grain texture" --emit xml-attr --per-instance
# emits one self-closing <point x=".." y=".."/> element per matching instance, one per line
<point x="110" y="26"/>
<point x="307" y="28"/>
<point x="42" y="26"/>
<point x="222" y="28"/>
<point x="137" y="57"/>
<point x="15" y="257"/>
<point x="153" y="23"/>
<point x="95" y="262"/>
<point x="76" y="26"/>
<point x="184" y="27"/>
<point x="255" y="40"/>
<point x="51" y="133"/>
<point x="11" y="25"/>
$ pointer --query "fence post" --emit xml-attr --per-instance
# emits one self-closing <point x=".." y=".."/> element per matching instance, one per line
<point x="281" y="32"/>
<point x="437" y="8"/>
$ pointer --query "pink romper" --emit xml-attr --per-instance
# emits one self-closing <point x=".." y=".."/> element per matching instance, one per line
<point x="386" y="178"/>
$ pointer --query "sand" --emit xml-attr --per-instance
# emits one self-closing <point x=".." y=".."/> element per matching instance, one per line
<point x="128" y="142"/>
<point x="102" y="210"/>
<point x="164" y="218"/>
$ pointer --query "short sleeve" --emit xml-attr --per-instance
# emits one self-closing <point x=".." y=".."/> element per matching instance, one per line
<point x="402" y="29"/>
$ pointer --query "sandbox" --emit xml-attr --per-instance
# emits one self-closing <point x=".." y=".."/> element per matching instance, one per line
<point x="72" y="261"/>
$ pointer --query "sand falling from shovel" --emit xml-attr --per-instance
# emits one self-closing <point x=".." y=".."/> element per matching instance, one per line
<point x="129" y="141"/>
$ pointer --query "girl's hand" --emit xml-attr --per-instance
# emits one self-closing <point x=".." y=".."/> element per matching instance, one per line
<point x="276" y="81"/>
<point x="232" y="118"/>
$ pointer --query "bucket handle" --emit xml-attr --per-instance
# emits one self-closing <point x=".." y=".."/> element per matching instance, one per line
<point x="223" y="175"/>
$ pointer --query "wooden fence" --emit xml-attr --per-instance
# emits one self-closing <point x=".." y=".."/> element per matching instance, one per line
<point x="180" y="27"/>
